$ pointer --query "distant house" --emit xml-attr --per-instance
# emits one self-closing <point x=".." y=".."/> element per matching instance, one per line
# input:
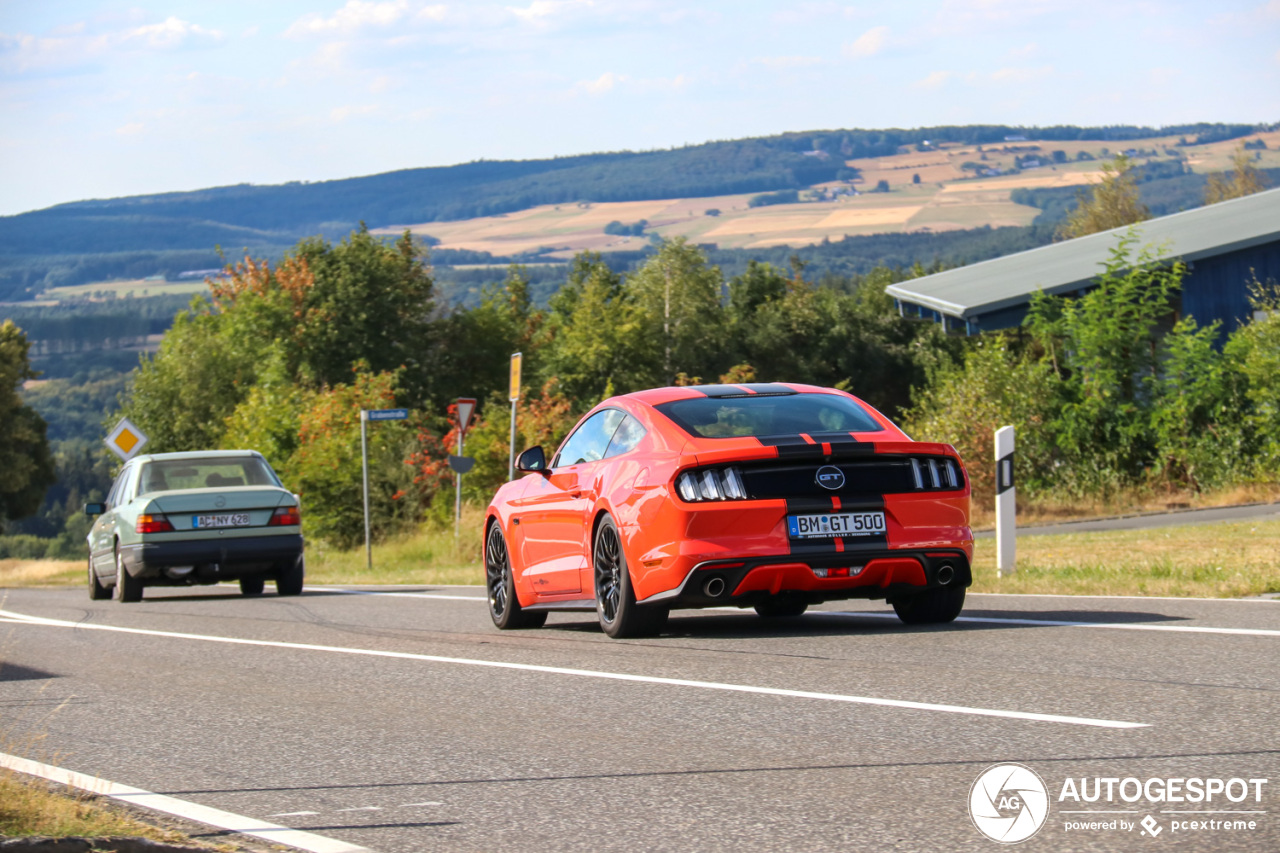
<point x="1017" y="137"/>
<point x="1224" y="245"/>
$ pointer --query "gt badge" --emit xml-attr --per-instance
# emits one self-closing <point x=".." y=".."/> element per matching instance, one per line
<point x="830" y="477"/>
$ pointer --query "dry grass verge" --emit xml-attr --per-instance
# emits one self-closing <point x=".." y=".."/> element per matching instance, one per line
<point x="30" y="806"/>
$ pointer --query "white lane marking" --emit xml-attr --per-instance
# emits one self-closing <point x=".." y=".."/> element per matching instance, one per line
<point x="182" y="808"/>
<point x="1059" y="623"/>
<point x="410" y="805"/>
<point x="294" y="814"/>
<point x="19" y="618"/>
<point x="397" y="594"/>
<point x="1127" y="597"/>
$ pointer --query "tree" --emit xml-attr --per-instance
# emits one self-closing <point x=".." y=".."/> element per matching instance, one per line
<point x="1104" y="347"/>
<point x="1111" y="203"/>
<point x="26" y="465"/>
<point x="1244" y="180"/>
<point x="322" y="309"/>
<point x="679" y="298"/>
<point x="915" y="179"/>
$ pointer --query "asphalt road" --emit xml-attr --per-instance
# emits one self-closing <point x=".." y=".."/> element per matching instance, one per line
<point x="407" y="723"/>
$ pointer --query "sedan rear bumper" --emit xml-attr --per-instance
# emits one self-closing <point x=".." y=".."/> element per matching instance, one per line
<point x="213" y="559"/>
<point x="869" y="574"/>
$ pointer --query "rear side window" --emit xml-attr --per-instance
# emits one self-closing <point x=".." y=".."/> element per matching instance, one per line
<point x="590" y="440"/>
<point x="789" y="414"/>
<point x="626" y="437"/>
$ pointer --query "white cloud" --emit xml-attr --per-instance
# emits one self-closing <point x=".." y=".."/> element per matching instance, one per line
<point x="604" y="83"/>
<point x="1021" y="75"/>
<point x="72" y="47"/>
<point x="780" y="62"/>
<point x="169" y="34"/>
<point x="131" y="129"/>
<point x="351" y="18"/>
<point x="868" y="44"/>
<point x="1027" y="51"/>
<point x="933" y="81"/>
<point x="542" y="11"/>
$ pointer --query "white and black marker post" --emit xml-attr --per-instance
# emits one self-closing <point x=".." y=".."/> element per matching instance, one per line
<point x="367" y="415"/>
<point x="1006" y="506"/>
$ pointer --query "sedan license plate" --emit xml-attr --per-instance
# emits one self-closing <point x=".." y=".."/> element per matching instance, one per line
<point x="234" y="519"/>
<point x="835" y="524"/>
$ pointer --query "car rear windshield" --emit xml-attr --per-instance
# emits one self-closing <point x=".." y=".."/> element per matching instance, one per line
<point x="789" y="414"/>
<point x="168" y="475"/>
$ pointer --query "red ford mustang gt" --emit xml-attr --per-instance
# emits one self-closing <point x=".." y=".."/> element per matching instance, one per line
<point x="772" y="496"/>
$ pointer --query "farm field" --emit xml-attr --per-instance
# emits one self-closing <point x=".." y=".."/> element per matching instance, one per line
<point x="136" y="288"/>
<point x="948" y="197"/>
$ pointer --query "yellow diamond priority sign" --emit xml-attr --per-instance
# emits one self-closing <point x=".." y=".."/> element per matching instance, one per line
<point x="126" y="440"/>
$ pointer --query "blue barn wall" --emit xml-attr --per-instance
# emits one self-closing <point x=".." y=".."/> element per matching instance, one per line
<point x="1218" y="287"/>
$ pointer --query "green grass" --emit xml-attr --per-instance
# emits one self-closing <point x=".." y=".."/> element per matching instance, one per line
<point x="1224" y="560"/>
<point x="135" y="287"/>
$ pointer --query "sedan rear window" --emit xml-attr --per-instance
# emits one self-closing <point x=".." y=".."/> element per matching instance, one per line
<point x="168" y="475"/>
<point x="789" y="414"/>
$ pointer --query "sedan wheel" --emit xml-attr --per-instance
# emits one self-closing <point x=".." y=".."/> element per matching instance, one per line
<point x="288" y="580"/>
<point x="97" y="591"/>
<point x="128" y="588"/>
<point x="504" y="607"/>
<point x="620" y="615"/>
<point x="252" y="585"/>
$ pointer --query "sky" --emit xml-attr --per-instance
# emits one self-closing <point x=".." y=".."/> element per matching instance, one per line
<point x="100" y="99"/>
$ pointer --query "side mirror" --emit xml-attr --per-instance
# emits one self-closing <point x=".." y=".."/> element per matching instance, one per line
<point x="532" y="460"/>
<point x="95" y="509"/>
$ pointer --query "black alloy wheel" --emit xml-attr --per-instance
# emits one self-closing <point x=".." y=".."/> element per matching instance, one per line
<point x="504" y="606"/>
<point x="934" y="607"/>
<point x="620" y="615"/>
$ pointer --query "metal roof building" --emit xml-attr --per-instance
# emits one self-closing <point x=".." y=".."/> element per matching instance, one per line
<point x="1225" y="246"/>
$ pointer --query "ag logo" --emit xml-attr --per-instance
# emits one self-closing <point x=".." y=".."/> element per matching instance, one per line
<point x="830" y="477"/>
<point x="1008" y="803"/>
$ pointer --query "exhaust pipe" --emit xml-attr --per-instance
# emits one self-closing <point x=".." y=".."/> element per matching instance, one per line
<point x="714" y="587"/>
<point x="946" y="574"/>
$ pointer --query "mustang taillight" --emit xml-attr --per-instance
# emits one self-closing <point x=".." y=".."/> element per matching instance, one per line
<point x="285" y="515"/>
<point x="935" y="474"/>
<point x="711" y="484"/>
<point x="153" y="524"/>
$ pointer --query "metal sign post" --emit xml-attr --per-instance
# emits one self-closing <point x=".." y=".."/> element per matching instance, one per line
<point x="367" y="415"/>
<point x="515" y="398"/>
<point x="466" y="405"/>
<point x="1006" y="504"/>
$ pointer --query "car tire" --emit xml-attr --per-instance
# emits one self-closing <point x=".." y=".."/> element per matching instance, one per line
<point x="252" y="585"/>
<point x="780" y="608"/>
<point x="97" y="592"/>
<point x="289" y="578"/>
<point x="620" y="616"/>
<point x="500" y="584"/>
<point x="128" y="588"/>
<point x="934" y="607"/>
